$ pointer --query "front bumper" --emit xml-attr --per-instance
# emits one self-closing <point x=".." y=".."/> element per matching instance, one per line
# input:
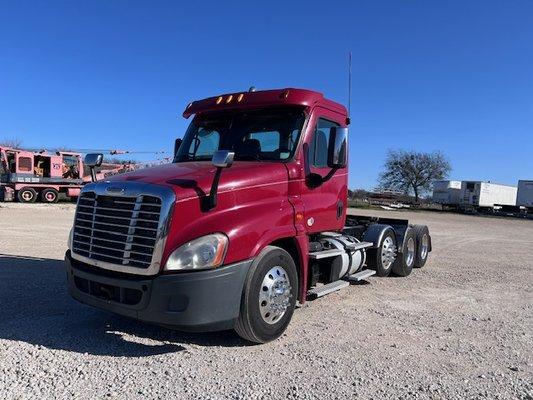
<point x="191" y="301"/>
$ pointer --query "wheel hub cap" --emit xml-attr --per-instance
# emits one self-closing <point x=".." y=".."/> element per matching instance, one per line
<point x="425" y="247"/>
<point x="388" y="252"/>
<point x="410" y="251"/>
<point x="275" y="295"/>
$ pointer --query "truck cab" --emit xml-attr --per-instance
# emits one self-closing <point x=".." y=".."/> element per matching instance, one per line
<point x="248" y="220"/>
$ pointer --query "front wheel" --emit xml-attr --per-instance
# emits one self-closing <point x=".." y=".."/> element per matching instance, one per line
<point x="269" y="296"/>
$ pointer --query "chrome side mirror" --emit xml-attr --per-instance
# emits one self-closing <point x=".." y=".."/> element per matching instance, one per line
<point x="94" y="159"/>
<point x="223" y="158"/>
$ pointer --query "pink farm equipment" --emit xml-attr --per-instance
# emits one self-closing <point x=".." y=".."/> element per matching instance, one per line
<point x="29" y="176"/>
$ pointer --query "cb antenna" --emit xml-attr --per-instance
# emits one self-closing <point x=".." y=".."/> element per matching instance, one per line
<point x="349" y="86"/>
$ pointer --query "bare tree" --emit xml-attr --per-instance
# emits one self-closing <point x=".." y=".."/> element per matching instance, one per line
<point x="413" y="172"/>
<point x="13" y="143"/>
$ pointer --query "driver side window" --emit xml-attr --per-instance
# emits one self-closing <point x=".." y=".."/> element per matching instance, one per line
<point x="318" y="148"/>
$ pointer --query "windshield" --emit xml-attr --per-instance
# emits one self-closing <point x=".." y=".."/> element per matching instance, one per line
<point x="267" y="134"/>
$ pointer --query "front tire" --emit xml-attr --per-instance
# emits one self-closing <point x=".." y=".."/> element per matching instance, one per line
<point x="269" y="296"/>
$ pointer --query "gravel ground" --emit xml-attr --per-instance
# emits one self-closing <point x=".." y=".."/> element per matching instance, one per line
<point x="459" y="328"/>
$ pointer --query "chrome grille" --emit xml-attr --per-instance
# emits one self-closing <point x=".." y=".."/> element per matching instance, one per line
<point x="117" y="229"/>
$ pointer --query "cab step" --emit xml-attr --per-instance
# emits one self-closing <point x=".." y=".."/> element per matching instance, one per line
<point x="320" y="291"/>
<point x="361" y="275"/>
<point x="317" y="255"/>
<point x="359" y="245"/>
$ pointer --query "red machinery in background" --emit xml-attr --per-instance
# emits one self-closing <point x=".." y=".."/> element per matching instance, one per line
<point x="30" y="176"/>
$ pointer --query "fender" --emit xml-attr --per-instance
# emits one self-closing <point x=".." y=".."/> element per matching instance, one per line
<point x="375" y="233"/>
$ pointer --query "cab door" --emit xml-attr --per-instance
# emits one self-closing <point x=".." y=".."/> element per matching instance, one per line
<point x="24" y="162"/>
<point x="324" y="192"/>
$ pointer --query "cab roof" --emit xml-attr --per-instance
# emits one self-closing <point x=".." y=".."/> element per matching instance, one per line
<point x="262" y="98"/>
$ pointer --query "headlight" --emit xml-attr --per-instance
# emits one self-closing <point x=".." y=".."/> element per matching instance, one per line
<point x="202" y="253"/>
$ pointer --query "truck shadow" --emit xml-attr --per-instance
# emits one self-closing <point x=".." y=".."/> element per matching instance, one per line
<point x="36" y="308"/>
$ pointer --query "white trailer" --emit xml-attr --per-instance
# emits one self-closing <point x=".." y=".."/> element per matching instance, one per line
<point x="478" y="194"/>
<point x="447" y="193"/>
<point x="525" y="193"/>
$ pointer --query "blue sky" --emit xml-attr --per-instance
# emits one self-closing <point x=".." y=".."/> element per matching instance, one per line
<point x="455" y="76"/>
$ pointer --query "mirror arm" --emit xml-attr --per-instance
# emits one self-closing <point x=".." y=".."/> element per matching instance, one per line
<point x="212" y="198"/>
<point x="221" y="159"/>
<point x="312" y="179"/>
<point x="315" y="180"/>
<point x="93" y="174"/>
<point x="330" y="174"/>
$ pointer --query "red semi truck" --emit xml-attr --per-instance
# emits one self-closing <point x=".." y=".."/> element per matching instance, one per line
<point x="248" y="220"/>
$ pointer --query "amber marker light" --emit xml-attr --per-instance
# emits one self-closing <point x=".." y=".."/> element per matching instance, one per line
<point x="219" y="100"/>
<point x="219" y="255"/>
<point x="228" y="100"/>
<point x="240" y="97"/>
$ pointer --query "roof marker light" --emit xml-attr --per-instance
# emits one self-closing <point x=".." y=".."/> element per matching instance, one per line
<point x="228" y="100"/>
<point x="240" y="97"/>
<point x="219" y="99"/>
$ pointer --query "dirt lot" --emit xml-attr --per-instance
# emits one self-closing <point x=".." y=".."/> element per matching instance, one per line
<point x="461" y="327"/>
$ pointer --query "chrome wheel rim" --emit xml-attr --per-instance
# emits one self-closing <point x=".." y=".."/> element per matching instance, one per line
<point x="424" y="247"/>
<point x="274" y="295"/>
<point x="410" y="251"/>
<point x="50" y="196"/>
<point x="388" y="252"/>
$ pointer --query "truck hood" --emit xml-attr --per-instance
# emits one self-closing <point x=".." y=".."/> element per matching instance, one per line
<point x="194" y="179"/>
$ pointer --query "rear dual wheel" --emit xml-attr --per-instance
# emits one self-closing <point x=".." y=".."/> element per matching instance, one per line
<point x="406" y="258"/>
<point x="383" y="258"/>
<point x="423" y="245"/>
